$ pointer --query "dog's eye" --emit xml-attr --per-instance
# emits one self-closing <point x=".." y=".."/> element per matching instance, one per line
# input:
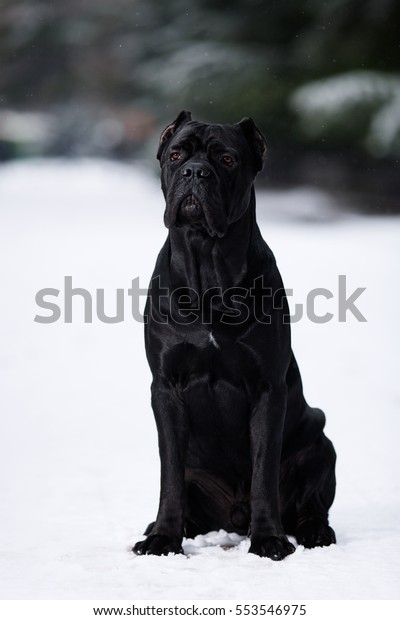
<point x="228" y="160"/>
<point x="175" y="156"/>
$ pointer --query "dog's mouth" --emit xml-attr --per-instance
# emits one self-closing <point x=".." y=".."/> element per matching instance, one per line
<point x="190" y="210"/>
<point x="193" y="213"/>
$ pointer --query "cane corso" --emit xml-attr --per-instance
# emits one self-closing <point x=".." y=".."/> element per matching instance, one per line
<point x="240" y="448"/>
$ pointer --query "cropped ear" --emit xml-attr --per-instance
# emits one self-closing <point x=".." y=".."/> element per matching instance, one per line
<point x="182" y="118"/>
<point x="255" y="139"/>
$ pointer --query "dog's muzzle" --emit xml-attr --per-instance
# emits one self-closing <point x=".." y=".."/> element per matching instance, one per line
<point x="193" y="199"/>
<point x="190" y="210"/>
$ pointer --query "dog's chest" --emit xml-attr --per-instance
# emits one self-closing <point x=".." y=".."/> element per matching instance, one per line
<point x="209" y="357"/>
<point x="212" y="340"/>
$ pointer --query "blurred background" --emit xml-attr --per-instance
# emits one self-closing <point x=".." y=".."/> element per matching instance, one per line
<point x="85" y="89"/>
<point x="101" y="78"/>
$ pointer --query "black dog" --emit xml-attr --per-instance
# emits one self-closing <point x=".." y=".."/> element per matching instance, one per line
<point x="240" y="448"/>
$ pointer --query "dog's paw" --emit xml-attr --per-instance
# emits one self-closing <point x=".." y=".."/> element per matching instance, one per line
<point x="315" y="533"/>
<point x="149" y="528"/>
<point x="273" y="547"/>
<point x="158" y="544"/>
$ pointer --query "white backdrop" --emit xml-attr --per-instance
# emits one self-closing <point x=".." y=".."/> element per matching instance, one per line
<point x="78" y="448"/>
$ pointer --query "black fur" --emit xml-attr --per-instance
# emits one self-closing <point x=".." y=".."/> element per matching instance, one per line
<point x="240" y="448"/>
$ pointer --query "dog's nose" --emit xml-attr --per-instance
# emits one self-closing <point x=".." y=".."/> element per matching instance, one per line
<point x="195" y="170"/>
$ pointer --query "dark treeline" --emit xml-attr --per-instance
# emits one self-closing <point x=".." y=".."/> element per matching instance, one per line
<point x="322" y="79"/>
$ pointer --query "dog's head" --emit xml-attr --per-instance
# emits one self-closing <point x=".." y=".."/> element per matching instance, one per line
<point x="208" y="172"/>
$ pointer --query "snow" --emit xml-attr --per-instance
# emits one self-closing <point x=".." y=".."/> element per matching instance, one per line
<point x="346" y="89"/>
<point x="78" y="448"/>
<point x="201" y="60"/>
<point x="323" y="102"/>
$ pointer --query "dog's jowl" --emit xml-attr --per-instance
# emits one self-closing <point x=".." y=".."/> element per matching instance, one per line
<point x="240" y="448"/>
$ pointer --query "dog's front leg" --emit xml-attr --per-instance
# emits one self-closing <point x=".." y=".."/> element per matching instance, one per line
<point x="266" y="426"/>
<point x="167" y="532"/>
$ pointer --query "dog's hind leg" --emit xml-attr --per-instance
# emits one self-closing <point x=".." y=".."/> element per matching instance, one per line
<point x="307" y="492"/>
<point x="316" y="479"/>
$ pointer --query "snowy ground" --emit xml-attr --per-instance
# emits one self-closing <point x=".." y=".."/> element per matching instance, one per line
<point x="78" y="449"/>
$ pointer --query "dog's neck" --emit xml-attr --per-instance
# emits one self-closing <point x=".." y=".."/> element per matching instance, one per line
<point x="202" y="262"/>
